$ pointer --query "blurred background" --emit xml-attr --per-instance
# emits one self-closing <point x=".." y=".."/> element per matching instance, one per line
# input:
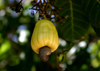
<point x="16" y="53"/>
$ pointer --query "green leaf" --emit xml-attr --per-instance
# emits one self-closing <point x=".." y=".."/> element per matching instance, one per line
<point x="77" y="24"/>
<point x="92" y="8"/>
<point x="5" y="47"/>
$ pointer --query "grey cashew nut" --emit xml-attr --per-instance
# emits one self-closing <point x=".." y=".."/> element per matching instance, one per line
<point x="44" y="53"/>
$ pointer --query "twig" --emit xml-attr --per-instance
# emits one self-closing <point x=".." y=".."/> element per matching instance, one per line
<point x="57" y="58"/>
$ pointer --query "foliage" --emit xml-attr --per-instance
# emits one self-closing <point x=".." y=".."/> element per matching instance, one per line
<point x="81" y="14"/>
<point x="79" y="43"/>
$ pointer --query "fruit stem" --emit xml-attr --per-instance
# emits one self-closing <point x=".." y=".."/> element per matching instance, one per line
<point x="44" y="52"/>
<point x="44" y="16"/>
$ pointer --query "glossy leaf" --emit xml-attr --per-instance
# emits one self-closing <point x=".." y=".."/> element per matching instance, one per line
<point x="92" y="8"/>
<point x="77" y="24"/>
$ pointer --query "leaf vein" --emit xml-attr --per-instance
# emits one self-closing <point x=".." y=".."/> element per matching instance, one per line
<point x="64" y="12"/>
<point x="64" y="3"/>
<point x="81" y="20"/>
<point x="77" y="33"/>
<point x="71" y="7"/>
<point x="92" y="8"/>
<point x="87" y="4"/>
<point x="66" y="32"/>
<point x="65" y="26"/>
<point x="96" y="16"/>
<point x="79" y="11"/>
<point x="76" y="5"/>
<point x="80" y="27"/>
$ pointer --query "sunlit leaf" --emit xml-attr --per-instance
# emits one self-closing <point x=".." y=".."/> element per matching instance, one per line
<point x="84" y="67"/>
<point x="1" y="4"/>
<point x="95" y="63"/>
<point x="94" y="48"/>
<point x="99" y="54"/>
<point x="5" y="47"/>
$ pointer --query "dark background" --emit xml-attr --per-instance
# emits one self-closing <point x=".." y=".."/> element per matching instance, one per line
<point x="82" y="44"/>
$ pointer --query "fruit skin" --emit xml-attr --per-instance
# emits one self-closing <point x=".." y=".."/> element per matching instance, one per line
<point x="44" y="34"/>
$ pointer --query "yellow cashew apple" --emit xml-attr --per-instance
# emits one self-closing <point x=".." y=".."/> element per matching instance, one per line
<point x="44" y="39"/>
